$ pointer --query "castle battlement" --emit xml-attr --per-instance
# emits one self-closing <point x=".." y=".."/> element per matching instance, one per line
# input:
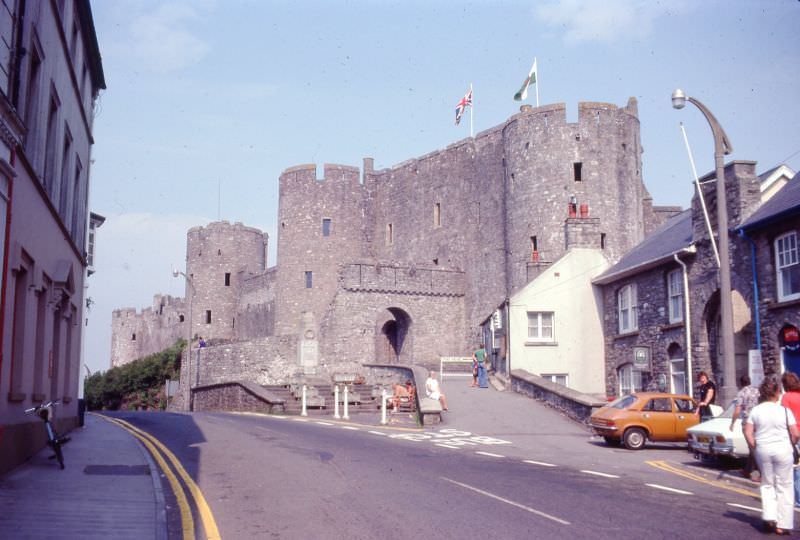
<point x="225" y="226"/>
<point x="331" y="172"/>
<point x="393" y="278"/>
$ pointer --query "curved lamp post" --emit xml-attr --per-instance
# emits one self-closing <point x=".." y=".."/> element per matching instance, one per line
<point x="722" y="147"/>
<point x="176" y="273"/>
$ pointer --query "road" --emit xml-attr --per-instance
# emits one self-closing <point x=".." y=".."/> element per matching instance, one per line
<point x="273" y="477"/>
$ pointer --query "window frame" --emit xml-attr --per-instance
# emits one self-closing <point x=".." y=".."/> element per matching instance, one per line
<point x="626" y="374"/>
<point x="539" y="326"/>
<point x="326" y="227"/>
<point x="783" y="252"/>
<point x="675" y="298"/>
<point x="629" y="308"/>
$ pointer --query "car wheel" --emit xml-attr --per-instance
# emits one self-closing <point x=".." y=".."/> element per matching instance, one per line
<point x="612" y="441"/>
<point x="634" y="438"/>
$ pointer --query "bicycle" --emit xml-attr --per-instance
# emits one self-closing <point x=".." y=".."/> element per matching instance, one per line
<point x="54" y="440"/>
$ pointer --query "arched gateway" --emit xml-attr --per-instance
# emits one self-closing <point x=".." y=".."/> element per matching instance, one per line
<point x="393" y="337"/>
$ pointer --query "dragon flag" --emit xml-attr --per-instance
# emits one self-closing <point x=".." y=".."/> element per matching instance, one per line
<point x="531" y="79"/>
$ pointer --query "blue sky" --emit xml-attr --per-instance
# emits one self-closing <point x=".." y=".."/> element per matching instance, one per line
<point x="209" y="100"/>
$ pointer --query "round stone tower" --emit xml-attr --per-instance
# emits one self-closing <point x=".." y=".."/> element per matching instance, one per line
<point x="219" y="257"/>
<point x="571" y="184"/>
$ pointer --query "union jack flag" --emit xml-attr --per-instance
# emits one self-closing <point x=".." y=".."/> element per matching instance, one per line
<point x="462" y="105"/>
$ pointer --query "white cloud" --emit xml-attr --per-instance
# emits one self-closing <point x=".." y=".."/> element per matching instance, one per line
<point x="604" y="21"/>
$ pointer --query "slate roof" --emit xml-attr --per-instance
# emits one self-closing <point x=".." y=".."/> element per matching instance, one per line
<point x="672" y="237"/>
<point x="782" y="204"/>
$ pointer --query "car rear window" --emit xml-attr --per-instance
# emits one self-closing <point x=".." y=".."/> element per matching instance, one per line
<point x="624" y="403"/>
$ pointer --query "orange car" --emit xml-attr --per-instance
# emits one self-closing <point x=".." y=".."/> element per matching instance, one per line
<point x="645" y="415"/>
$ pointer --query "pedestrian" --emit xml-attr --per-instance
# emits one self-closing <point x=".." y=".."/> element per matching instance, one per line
<point x="746" y="399"/>
<point x="708" y="394"/>
<point x="400" y="395"/>
<point x="791" y="400"/>
<point x="433" y="391"/>
<point x="770" y="431"/>
<point x="479" y="358"/>
<point x="474" y="383"/>
<point x="202" y="342"/>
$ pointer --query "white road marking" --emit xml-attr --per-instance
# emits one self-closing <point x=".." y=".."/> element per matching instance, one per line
<point x="377" y="433"/>
<point x="351" y="428"/>
<point x="538" y="463"/>
<point x="752" y="508"/>
<point x="300" y="419"/>
<point x="448" y="446"/>
<point x="320" y="422"/>
<point x="604" y="475"/>
<point x="671" y="490"/>
<point x="488" y="454"/>
<point x="507" y="501"/>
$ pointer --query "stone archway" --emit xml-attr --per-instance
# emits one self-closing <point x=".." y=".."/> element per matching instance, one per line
<point x="393" y="337"/>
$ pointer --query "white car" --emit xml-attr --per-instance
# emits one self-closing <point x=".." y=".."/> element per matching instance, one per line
<point x="715" y="438"/>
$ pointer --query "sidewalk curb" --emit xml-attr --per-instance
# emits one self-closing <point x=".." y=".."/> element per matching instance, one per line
<point x="155" y="476"/>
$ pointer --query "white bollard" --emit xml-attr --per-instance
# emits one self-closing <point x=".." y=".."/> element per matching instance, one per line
<point x="345" y="415"/>
<point x="336" y="401"/>
<point x="383" y="406"/>
<point x="304" y="412"/>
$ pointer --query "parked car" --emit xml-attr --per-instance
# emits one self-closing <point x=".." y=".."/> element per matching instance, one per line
<point x="714" y="437"/>
<point x="635" y="418"/>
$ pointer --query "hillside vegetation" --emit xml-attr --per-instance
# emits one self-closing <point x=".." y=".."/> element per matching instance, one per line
<point x="136" y="385"/>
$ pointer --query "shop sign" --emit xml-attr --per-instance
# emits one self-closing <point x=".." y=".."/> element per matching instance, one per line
<point x="641" y="358"/>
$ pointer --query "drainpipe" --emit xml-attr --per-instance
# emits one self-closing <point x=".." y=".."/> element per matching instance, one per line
<point x="687" y="319"/>
<point x="508" y="339"/>
<point x="755" y="286"/>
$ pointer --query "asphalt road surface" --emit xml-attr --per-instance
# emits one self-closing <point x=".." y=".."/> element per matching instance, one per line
<point x="268" y="477"/>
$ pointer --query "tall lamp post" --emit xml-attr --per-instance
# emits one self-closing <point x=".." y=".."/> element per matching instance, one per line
<point x="722" y="147"/>
<point x="176" y="273"/>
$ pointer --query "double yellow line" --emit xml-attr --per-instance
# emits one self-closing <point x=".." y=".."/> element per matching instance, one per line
<point x="153" y="445"/>
<point x="664" y="466"/>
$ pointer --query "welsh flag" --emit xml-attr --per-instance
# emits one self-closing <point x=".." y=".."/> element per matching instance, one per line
<point x="531" y="79"/>
<point x="462" y="105"/>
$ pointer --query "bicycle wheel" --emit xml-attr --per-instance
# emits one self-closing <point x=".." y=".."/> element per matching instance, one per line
<point x="59" y="454"/>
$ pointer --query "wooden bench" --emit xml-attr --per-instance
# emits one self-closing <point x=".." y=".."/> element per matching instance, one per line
<point x="430" y="411"/>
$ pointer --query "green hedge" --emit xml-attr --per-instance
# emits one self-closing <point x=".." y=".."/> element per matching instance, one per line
<point x="137" y="385"/>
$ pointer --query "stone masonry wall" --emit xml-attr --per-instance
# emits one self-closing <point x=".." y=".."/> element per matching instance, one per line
<point x="255" y="311"/>
<point x="135" y="335"/>
<point x="268" y="360"/>
<point x="657" y="333"/>
<point x="219" y="257"/>
<point x="433" y="301"/>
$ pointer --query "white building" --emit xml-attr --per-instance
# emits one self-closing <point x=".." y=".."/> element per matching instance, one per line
<point x="555" y="323"/>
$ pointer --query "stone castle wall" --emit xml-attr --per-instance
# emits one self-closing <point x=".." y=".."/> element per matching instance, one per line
<point x="134" y="335"/>
<point x="420" y="253"/>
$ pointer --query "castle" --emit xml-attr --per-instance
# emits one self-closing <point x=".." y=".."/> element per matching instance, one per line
<point x="403" y="264"/>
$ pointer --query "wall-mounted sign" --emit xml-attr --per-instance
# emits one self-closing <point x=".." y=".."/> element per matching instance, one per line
<point x="641" y="358"/>
<point x="791" y="338"/>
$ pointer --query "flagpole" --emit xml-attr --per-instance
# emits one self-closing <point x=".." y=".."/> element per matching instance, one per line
<point x="471" y="107"/>
<point x="537" y="80"/>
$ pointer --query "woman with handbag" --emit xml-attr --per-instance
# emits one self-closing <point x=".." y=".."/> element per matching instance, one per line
<point x="791" y="400"/>
<point x="771" y="432"/>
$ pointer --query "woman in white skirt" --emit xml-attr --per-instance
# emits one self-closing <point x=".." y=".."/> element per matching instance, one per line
<point x="770" y="431"/>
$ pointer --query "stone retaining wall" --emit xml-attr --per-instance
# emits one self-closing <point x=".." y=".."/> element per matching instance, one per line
<point x="574" y="404"/>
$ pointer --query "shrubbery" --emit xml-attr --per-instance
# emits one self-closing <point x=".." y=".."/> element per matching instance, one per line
<point x="137" y="385"/>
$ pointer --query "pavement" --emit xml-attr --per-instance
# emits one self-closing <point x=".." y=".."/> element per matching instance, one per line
<point x="110" y="488"/>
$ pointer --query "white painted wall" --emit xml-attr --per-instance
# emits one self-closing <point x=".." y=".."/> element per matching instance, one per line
<point x="577" y="349"/>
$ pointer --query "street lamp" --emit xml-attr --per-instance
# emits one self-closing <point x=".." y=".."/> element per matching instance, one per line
<point x="176" y="273"/>
<point x="722" y="147"/>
